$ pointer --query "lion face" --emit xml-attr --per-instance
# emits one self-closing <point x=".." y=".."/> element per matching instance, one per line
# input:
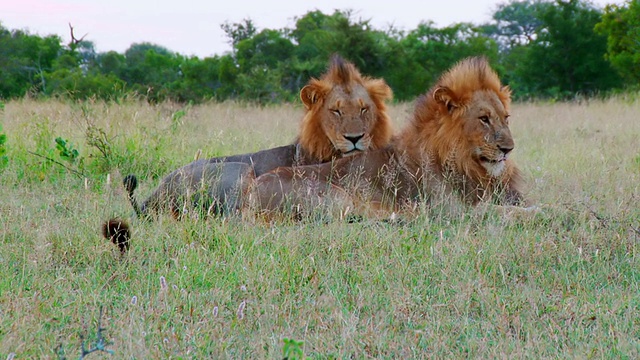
<point x="474" y="126"/>
<point x="486" y="129"/>
<point x="348" y="118"/>
<point x="346" y="113"/>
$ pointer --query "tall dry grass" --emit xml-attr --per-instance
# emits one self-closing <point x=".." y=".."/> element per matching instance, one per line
<point x="563" y="284"/>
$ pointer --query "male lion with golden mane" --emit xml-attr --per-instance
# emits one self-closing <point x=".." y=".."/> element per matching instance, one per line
<point x="345" y="114"/>
<point x="458" y="141"/>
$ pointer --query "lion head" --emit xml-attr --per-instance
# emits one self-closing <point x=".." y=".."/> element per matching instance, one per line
<point x="462" y="126"/>
<point x="345" y="112"/>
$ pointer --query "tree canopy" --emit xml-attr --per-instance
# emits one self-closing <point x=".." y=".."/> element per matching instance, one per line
<point x="542" y="49"/>
<point x="621" y="26"/>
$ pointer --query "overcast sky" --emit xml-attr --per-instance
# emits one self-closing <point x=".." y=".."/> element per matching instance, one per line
<point x="192" y="27"/>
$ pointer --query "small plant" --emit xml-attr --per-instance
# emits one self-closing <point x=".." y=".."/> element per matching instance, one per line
<point x="176" y="117"/>
<point x="292" y="349"/>
<point x="4" y="160"/>
<point x="100" y="344"/>
<point x="66" y="150"/>
<point x="67" y="153"/>
<point x="97" y="138"/>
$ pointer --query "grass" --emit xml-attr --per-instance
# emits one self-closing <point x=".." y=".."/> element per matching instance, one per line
<point x="562" y="284"/>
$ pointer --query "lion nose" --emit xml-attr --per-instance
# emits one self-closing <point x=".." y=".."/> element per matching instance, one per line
<point x="506" y="149"/>
<point x="354" y="138"/>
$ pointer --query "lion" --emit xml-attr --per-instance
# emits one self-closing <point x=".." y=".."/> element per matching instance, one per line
<point x="457" y="142"/>
<point x="345" y="114"/>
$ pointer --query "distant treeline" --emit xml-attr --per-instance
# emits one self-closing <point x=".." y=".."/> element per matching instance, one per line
<point x="541" y="49"/>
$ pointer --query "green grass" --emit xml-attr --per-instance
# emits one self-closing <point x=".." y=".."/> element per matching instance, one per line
<point x="561" y="284"/>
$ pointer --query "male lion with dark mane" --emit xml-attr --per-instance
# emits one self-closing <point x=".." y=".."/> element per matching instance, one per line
<point x="458" y="141"/>
<point x="345" y="114"/>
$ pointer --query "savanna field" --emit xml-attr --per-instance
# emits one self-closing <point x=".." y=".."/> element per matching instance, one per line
<point x="448" y="283"/>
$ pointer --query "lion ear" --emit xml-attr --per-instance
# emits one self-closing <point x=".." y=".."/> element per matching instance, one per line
<point x="309" y="95"/>
<point x="444" y="95"/>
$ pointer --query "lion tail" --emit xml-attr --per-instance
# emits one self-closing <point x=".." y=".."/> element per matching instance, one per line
<point x="118" y="232"/>
<point x="130" y="183"/>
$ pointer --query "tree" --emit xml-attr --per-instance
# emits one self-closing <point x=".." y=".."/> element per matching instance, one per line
<point x="517" y="23"/>
<point x="151" y="69"/>
<point x="265" y="49"/>
<point x="515" y="27"/>
<point x="237" y="32"/>
<point x="621" y="26"/>
<point x="433" y="50"/>
<point x="205" y="79"/>
<point x="111" y="62"/>
<point x="567" y="56"/>
<point x="76" y="85"/>
<point x="318" y="36"/>
<point x="228" y="74"/>
<point x="539" y="47"/>
<point x="357" y="41"/>
<point x="24" y="59"/>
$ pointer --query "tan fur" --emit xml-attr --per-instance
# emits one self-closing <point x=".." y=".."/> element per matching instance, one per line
<point x="456" y="142"/>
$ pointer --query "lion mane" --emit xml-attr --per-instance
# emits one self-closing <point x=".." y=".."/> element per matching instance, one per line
<point x="457" y="140"/>
<point x="462" y="127"/>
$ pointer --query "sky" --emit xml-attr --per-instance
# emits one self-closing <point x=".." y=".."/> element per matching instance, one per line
<point x="192" y="27"/>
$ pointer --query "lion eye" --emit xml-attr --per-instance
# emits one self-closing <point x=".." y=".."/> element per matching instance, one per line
<point x="336" y="112"/>
<point x="363" y="110"/>
<point x="485" y="119"/>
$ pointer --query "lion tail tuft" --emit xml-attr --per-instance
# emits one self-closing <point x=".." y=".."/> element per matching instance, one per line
<point x="118" y="232"/>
